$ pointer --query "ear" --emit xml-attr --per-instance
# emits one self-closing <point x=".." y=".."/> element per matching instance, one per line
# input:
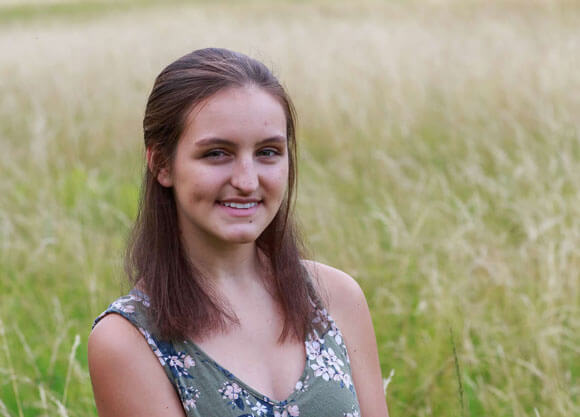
<point x="163" y="174"/>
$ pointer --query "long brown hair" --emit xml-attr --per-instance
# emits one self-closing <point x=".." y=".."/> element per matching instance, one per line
<point x="182" y="305"/>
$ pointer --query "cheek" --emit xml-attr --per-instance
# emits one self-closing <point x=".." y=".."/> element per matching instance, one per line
<point x="278" y="181"/>
<point x="199" y="186"/>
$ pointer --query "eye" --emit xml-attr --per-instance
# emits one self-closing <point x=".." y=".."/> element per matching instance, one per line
<point x="215" y="154"/>
<point x="269" y="152"/>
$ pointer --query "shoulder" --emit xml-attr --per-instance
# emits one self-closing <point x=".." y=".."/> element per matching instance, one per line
<point x="127" y="377"/>
<point x="348" y="307"/>
<point x="115" y="335"/>
<point x="341" y="292"/>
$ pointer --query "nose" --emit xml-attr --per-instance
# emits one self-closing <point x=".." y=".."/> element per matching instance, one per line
<point x="245" y="176"/>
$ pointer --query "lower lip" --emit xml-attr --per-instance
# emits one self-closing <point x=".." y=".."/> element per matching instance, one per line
<point x="239" y="212"/>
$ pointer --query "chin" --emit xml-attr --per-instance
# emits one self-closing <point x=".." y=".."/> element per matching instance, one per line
<point x="242" y="237"/>
<point x="242" y="240"/>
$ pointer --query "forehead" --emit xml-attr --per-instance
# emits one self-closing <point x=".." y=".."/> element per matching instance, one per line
<point x="237" y="113"/>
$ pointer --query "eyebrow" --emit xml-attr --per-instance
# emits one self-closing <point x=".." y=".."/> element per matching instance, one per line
<point x="225" y="142"/>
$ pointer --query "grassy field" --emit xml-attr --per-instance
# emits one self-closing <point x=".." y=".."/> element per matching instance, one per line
<point x="440" y="166"/>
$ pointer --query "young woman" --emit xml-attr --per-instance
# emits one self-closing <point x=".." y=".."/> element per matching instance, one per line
<point x="225" y="318"/>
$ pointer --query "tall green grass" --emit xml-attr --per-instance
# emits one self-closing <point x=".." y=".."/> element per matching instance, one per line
<point x="440" y="166"/>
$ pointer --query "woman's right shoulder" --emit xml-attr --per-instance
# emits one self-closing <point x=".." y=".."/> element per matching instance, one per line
<point x="121" y="329"/>
<point x="127" y="377"/>
<point x="114" y="333"/>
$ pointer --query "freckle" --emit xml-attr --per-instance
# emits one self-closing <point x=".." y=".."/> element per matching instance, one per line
<point x="251" y="221"/>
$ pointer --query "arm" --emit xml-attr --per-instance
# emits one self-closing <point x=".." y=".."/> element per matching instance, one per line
<point x="348" y="306"/>
<point x="127" y="378"/>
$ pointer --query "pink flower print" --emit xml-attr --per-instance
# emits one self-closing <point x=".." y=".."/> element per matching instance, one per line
<point x="231" y="391"/>
<point x="259" y="408"/>
<point x="320" y="369"/>
<point x="302" y="385"/>
<point x="188" y="362"/>
<point x="346" y="379"/>
<point x="337" y="377"/>
<point x="175" y="362"/>
<point x="293" y="410"/>
<point x="321" y="318"/>
<point x="289" y="411"/>
<point x="139" y="299"/>
<point x="124" y="307"/>
<point x="334" y="332"/>
<point x="316" y="320"/>
<point x="189" y="404"/>
<point x="332" y="359"/>
<point x="313" y="349"/>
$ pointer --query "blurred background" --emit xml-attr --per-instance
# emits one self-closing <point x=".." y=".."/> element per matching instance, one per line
<point x="439" y="165"/>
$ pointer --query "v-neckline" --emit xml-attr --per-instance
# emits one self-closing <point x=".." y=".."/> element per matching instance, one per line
<point x="249" y="388"/>
<point x="233" y="377"/>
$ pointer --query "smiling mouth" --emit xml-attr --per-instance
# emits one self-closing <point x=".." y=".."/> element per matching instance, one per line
<point x="239" y="205"/>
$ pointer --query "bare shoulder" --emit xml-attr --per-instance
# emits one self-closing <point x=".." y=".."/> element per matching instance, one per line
<point x="114" y="339"/>
<point x="127" y="378"/>
<point x="348" y="307"/>
<point x="341" y="291"/>
<point x="345" y="300"/>
<point x="114" y="334"/>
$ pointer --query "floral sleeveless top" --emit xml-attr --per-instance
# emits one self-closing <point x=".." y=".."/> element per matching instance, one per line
<point x="206" y="389"/>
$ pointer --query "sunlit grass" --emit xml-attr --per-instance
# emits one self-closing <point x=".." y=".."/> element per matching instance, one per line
<point x="440" y="166"/>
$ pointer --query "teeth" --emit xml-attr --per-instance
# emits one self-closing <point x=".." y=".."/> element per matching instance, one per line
<point x="240" y="205"/>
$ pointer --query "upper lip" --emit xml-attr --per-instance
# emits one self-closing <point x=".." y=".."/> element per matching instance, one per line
<point x="240" y="200"/>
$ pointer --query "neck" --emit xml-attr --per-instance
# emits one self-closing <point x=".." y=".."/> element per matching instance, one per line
<point x="224" y="263"/>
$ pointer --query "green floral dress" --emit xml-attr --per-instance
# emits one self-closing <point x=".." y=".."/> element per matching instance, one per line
<point x="207" y="389"/>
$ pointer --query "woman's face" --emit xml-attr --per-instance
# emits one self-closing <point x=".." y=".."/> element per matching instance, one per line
<point x="230" y="171"/>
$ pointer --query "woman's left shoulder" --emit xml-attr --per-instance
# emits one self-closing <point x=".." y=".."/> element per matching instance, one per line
<point x="342" y="293"/>
<point x="347" y="305"/>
